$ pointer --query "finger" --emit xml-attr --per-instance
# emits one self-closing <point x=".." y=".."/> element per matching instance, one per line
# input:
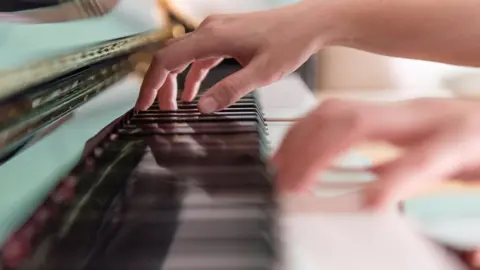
<point x="290" y="135"/>
<point x="196" y="75"/>
<point x="471" y="174"/>
<point x="174" y="57"/>
<point x="167" y="96"/>
<point x="473" y="258"/>
<point x="298" y="174"/>
<point x="153" y="80"/>
<point x="430" y="161"/>
<point x="177" y="39"/>
<point x="180" y="69"/>
<point x="233" y="87"/>
<point x="317" y="140"/>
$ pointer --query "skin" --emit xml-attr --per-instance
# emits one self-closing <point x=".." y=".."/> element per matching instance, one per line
<point x="440" y="137"/>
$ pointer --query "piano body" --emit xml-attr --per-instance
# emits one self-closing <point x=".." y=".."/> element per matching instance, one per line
<point x="108" y="188"/>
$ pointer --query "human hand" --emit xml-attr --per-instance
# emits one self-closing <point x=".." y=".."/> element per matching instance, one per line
<point x="268" y="44"/>
<point x="472" y="258"/>
<point x="439" y="136"/>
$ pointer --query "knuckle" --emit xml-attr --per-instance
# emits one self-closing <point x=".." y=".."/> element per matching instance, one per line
<point x="210" y="22"/>
<point x="211" y="19"/>
<point x="331" y="107"/>
<point x="269" y="70"/>
<point x="342" y="112"/>
<point x="212" y="26"/>
<point x="227" y="92"/>
<point x="159" y="59"/>
<point x="210" y="31"/>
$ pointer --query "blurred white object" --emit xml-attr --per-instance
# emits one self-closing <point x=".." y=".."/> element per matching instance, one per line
<point x="356" y="240"/>
<point x="465" y="85"/>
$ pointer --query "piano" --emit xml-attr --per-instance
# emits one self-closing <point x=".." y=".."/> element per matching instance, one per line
<point x="109" y="188"/>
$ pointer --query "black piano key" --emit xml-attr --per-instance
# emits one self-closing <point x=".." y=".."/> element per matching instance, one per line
<point x="202" y="199"/>
<point x="193" y="129"/>
<point x="210" y="180"/>
<point x="190" y="148"/>
<point x="183" y="114"/>
<point x="175" y="154"/>
<point x="197" y="97"/>
<point x="195" y="110"/>
<point x="220" y="246"/>
<point x="202" y="119"/>
<point x="156" y="228"/>
<point x="86" y="231"/>
<point x="246" y="105"/>
<point x="198" y="262"/>
<point x="185" y="247"/>
<point x="206" y="140"/>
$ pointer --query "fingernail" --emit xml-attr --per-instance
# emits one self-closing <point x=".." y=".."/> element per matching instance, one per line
<point x="208" y="105"/>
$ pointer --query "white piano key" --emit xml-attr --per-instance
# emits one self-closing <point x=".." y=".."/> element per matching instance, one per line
<point x="213" y="261"/>
<point x="189" y="215"/>
<point x="220" y="229"/>
<point x="221" y="247"/>
<point x="198" y="196"/>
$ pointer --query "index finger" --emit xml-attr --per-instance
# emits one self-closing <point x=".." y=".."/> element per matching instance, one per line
<point x="173" y="57"/>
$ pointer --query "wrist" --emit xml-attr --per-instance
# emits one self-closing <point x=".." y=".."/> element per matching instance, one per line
<point x="331" y="21"/>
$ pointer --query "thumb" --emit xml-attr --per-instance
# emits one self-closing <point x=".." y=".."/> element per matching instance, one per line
<point x="232" y="88"/>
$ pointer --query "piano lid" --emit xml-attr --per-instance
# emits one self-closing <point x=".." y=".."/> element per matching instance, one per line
<point x="27" y="43"/>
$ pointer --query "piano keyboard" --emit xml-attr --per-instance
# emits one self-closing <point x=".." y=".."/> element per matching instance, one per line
<point x="161" y="190"/>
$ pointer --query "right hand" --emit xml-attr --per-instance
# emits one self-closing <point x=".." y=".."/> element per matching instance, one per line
<point x="268" y="44"/>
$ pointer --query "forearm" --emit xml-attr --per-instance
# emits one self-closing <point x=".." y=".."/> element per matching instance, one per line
<point x="434" y="30"/>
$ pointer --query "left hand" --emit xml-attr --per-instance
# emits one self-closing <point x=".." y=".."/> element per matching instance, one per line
<point x="472" y="258"/>
<point x="440" y="137"/>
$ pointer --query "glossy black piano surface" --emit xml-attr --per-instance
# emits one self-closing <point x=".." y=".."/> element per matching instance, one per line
<point x="160" y="190"/>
